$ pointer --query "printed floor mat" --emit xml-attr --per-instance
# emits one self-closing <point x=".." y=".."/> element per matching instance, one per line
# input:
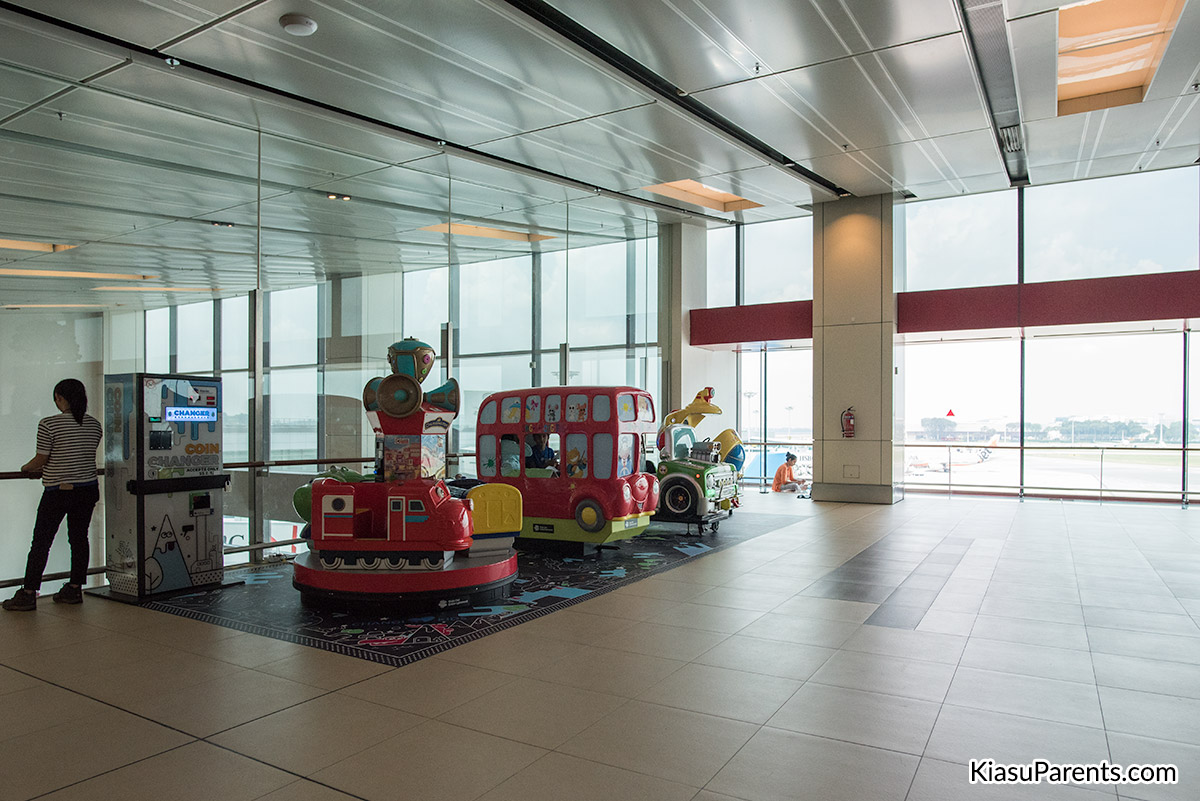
<point x="268" y="605"/>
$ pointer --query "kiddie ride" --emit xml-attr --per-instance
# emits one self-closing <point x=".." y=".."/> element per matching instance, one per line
<point x="699" y="478"/>
<point x="397" y="539"/>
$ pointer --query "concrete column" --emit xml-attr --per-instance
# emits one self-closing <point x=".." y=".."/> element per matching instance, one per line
<point x="855" y="355"/>
<point x="683" y="286"/>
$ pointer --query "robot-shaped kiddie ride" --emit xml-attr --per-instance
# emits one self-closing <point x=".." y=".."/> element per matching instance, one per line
<point x="398" y="539"/>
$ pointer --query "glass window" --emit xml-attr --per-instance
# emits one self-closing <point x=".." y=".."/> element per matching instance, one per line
<point x="722" y="267"/>
<point x="293" y="331"/>
<point x="778" y="261"/>
<point x="596" y="294"/>
<point x="1125" y="225"/>
<point x="553" y="301"/>
<point x="577" y="409"/>
<point x="487" y="415"/>
<point x="426" y="304"/>
<point x="487" y="455"/>
<point x="601" y="408"/>
<point x="626" y="411"/>
<point x="789" y="403"/>
<point x="235" y="333"/>
<point x="575" y="459"/>
<point x="194" y="324"/>
<point x="416" y="506"/>
<point x="480" y="376"/>
<point x="292" y="398"/>
<point x="158" y="340"/>
<point x="966" y="393"/>
<point x="533" y="409"/>
<point x="510" y="456"/>
<point x="627" y="455"/>
<point x="495" y="306"/>
<point x="602" y="455"/>
<point x="961" y="241"/>
<point x="1088" y="393"/>
<point x="235" y="416"/>
<point x="750" y="403"/>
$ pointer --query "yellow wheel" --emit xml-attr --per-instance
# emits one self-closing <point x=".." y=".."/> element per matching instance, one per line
<point x="590" y="516"/>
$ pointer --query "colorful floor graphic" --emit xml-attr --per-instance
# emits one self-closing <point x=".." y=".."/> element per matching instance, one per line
<point x="268" y="605"/>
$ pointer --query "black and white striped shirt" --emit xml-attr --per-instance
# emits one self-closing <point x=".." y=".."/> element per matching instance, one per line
<point x="71" y="447"/>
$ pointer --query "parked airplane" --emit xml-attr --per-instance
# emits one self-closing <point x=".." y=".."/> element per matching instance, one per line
<point x="941" y="459"/>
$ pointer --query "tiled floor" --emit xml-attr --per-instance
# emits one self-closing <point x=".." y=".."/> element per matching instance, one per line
<point x="861" y="653"/>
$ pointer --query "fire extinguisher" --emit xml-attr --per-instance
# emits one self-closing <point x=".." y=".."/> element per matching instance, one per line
<point x="848" y="423"/>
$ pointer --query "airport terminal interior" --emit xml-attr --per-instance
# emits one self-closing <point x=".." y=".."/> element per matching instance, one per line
<point x="944" y="252"/>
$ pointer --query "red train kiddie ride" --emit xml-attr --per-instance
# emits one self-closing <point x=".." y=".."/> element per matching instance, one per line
<point x="400" y="538"/>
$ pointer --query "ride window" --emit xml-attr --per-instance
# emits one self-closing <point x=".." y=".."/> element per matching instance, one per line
<point x="416" y="506"/>
<point x="627" y="455"/>
<point x="510" y="410"/>
<point x="577" y="409"/>
<point x="645" y="408"/>
<point x="601" y="408"/>
<point x="541" y="462"/>
<point x="487" y="415"/>
<point x="626" y="411"/>
<point x="575" y="460"/>
<point x="533" y="409"/>
<point x="602" y="456"/>
<point x="553" y="408"/>
<point x="487" y="452"/>
<point x="510" y="456"/>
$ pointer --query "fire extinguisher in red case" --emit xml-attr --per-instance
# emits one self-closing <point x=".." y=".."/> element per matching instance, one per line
<point x="848" y="423"/>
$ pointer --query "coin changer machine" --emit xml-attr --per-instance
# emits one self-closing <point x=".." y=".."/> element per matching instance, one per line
<point x="164" y="484"/>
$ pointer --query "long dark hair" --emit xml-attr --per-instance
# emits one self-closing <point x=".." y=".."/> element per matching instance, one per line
<point x="73" y="391"/>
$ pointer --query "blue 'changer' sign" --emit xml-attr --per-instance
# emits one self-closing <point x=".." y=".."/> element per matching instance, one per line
<point x="190" y="414"/>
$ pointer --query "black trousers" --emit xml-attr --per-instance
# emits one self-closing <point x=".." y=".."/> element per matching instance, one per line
<point x="74" y="504"/>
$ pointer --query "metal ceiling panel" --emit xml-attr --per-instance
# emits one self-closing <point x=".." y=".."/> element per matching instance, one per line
<point x="455" y="70"/>
<point x="766" y="185"/>
<point x="901" y="94"/>
<point x="522" y="185"/>
<point x="1180" y="65"/>
<point x="649" y="145"/>
<point x="19" y="89"/>
<point x="1073" y="171"/>
<point x="40" y="54"/>
<point x="886" y="24"/>
<point x="1035" y="65"/>
<point x="970" y="185"/>
<point x="172" y="90"/>
<point x="144" y="22"/>
<point x="23" y="218"/>
<point x="1022" y="8"/>
<point x="1134" y="130"/>
<point x="698" y="44"/>
<point x="143" y="132"/>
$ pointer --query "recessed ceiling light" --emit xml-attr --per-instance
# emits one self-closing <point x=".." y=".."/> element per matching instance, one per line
<point x="460" y="229"/>
<point x="19" y="273"/>
<point x="41" y="247"/>
<point x="156" y="289"/>
<point x="55" y="306"/>
<point x="694" y="192"/>
<point x="298" y="24"/>
<point x="336" y="196"/>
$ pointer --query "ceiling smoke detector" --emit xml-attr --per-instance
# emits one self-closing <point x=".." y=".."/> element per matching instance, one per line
<point x="298" y="24"/>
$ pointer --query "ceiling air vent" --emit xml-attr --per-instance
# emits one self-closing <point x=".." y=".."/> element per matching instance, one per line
<point x="1010" y="138"/>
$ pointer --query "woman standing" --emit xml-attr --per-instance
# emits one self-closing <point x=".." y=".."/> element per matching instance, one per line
<point x="66" y="461"/>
